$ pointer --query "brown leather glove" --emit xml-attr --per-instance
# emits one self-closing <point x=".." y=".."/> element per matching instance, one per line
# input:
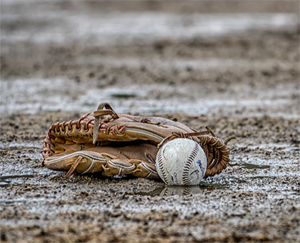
<point x="121" y="144"/>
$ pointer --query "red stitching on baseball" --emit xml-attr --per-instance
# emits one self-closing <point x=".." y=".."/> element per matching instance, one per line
<point x="159" y="161"/>
<point x="185" y="175"/>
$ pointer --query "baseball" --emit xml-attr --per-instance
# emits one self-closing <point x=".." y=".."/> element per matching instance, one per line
<point x="181" y="162"/>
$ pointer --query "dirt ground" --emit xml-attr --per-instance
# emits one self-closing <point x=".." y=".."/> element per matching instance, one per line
<point x="237" y="72"/>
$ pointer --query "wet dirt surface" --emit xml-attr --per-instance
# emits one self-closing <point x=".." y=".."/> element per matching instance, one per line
<point x="206" y="64"/>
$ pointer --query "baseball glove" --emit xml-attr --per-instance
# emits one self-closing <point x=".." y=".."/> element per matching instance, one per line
<point x="121" y="144"/>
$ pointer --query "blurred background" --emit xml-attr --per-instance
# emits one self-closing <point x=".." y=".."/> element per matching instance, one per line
<point x="232" y="58"/>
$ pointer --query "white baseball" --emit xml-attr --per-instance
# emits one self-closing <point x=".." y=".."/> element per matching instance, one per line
<point x="181" y="162"/>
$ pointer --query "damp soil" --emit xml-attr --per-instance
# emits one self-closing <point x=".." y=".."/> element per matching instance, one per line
<point x="57" y="64"/>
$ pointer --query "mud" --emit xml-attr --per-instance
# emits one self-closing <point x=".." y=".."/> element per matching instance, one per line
<point x="232" y="66"/>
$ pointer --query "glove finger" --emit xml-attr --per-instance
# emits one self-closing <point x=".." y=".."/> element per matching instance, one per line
<point x="91" y="162"/>
<point x="118" y="167"/>
<point x="145" y="169"/>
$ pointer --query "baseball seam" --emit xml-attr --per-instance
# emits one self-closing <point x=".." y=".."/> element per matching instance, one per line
<point x="161" y="166"/>
<point x="185" y="174"/>
<point x="187" y="191"/>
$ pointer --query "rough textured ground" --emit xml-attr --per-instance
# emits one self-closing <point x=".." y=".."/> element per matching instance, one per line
<point x="242" y="83"/>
